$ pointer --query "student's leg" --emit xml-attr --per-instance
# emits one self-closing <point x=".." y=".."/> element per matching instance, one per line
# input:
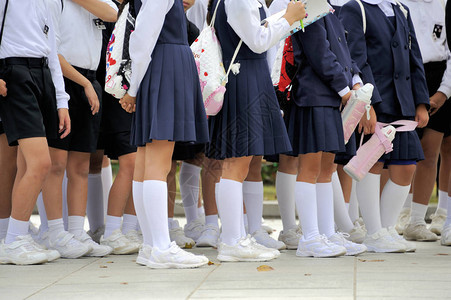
<point x="346" y="184"/>
<point x="172" y="191"/>
<point x="445" y="240"/>
<point x="325" y="195"/>
<point x="94" y="206"/>
<point x="190" y="187"/>
<point x="107" y="182"/>
<point x="253" y="194"/>
<point x="138" y="200"/>
<point x="8" y="158"/>
<point x="341" y="214"/>
<point x="130" y="224"/>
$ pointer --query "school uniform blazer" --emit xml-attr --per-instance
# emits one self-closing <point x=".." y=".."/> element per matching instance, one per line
<point x="389" y="59"/>
<point x="326" y="67"/>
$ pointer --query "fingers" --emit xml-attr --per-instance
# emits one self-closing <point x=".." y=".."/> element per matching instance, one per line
<point x="66" y="128"/>
<point x="360" y="128"/>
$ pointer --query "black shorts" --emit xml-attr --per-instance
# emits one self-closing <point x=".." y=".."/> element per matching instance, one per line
<point x="2" y="130"/>
<point x="85" y="126"/>
<point x="187" y="150"/>
<point x="29" y="109"/>
<point x="117" y="144"/>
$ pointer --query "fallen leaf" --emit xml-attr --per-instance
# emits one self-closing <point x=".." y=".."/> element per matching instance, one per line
<point x="103" y="267"/>
<point x="264" y="268"/>
<point x="210" y="263"/>
<point x="124" y="283"/>
<point x="371" y="260"/>
<point x="307" y="274"/>
<point x="445" y="254"/>
<point x="110" y="262"/>
<point x="188" y="246"/>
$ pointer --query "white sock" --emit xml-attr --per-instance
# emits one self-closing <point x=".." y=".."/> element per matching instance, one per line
<point x="347" y="207"/>
<point x="107" y="182"/>
<point x="253" y="199"/>
<point x="94" y="208"/>
<point x="244" y="225"/>
<point x="129" y="223"/>
<point x="201" y="211"/>
<point x="155" y="196"/>
<point x="16" y="228"/>
<point x="368" y="194"/>
<point x="354" y="203"/>
<point x="285" y="197"/>
<point x="189" y="189"/>
<point x="138" y="201"/>
<point x="212" y="220"/>
<point x="3" y="228"/>
<point x="418" y="213"/>
<point x="448" y="216"/>
<point x="442" y="200"/>
<point x="341" y="214"/>
<point x="170" y="223"/>
<point x="112" y="223"/>
<point x="408" y="202"/>
<point x="325" y="207"/>
<point x="65" y="208"/>
<point x="306" y="205"/>
<point x="392" y="199"/>
<point x="42" y="213"/>
<point x="55" y="227"/>
<point x="76" y="224"/>
<point x="230" y="207"/>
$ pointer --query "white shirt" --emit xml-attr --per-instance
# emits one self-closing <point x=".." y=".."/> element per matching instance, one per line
<point x="384" y="5"/>
<point x="24" y="36"/>
<point x="198" y="14"/>
<point x="427" y="16"/>
<point x="338" y="2"/>
<point x="78" y="38"/>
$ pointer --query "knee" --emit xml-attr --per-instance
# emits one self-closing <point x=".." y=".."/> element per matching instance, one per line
<point x="79" y="169"/>
<point x="41" y="167"/>
<point x="58" y="167"/>
<point x="326" y="172"/>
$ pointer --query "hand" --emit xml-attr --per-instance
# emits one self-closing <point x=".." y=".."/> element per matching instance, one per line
<point x="356" y="86"/>
<point x="421" y="116"/>
<point x="64" y="126"/>
<point x="128" y="103"/>
<point x="437" y="100"/>
<point x="345" y="98"/>
<point x="3" y="89"/>
<point x="92" y="98"/>
<point x="368" y="126"/>
<point x="295" y="12"/>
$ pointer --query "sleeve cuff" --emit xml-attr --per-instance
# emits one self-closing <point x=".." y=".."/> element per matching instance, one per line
<point x="356" y="79"/>
<point x="344" y="91"/>
<point x="132" y="91"/>
<point x="62" y="101"/>
<point x="445" y="91"/>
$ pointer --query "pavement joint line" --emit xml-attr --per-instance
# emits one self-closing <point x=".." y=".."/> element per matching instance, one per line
<point x="64" y="277"/>
<point x="354" y="284"/>
<point x="217" y="266"/>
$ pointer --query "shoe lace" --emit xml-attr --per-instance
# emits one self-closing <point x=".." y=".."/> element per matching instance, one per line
<point x="325" y="240"/>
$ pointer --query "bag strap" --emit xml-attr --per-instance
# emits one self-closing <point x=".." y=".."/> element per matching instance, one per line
<point x="3" y="21"/>
<point x="362" y="8"/>
<point x="403" y="9"/>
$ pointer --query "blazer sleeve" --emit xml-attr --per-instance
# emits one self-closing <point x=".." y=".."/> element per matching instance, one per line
<point x="351" y="18"/>
<point x="316" y="48"/>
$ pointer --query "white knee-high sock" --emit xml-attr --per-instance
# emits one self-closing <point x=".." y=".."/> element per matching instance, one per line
<point x="408" y="202"/>
<point x="306" y="205"/>
<point x="392" y="200"/>
<point x="189" y="189"/>
<point x="138" y="201"/>
<point x="442" y="200"/>
<point x="16" y="228"/>
<point x="112" y="224"/>
<point x="94" y="208"/>
<point x="325" y="200"/>
<point x="285" y="197"/>
<point x="65" y="208"/>
<point x="76" y="225"/>
<point x="418" y="213"/>
<point x="341" y="214"/>
<point x="129" y="223"/>
<point x="155" y="196"/>
<point x="253" y="199"/>
<point x="107" y="182"/>
<point x="55" y="227"/>
<point x="448" y="216"/>
<point x="230" y="207"/>
<point x="368" y="194"/>
<point x="42" y="213"/>
<point x="353" y="210"/>
<point x="3" y="228"/>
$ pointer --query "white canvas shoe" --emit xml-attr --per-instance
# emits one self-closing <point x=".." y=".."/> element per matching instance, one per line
<point x="96" y="249"/>
<point x="319" y="246"/>
<point x="135" y="236"/>
<point x="120" y="243"/>
<point x="266" y="227"/>
<point x="403" y="220"/>
<point x="383" y="242"/>
<point x="65" y="244"/>
<point x="193" y="230"/>
<point x="438" y="221"/>
<point x="52" y="255"/>
<point x="21" y="252"/>
<point x="410" y="246"/>
<point x="209" y="237"/>
<point x="445" y="240"/>
<point x="144" y="255"/>
<point x="357" y="234"/>
<point x="175" y="258"/>
<point x="341" y="239"/>
<point x="245" y="250"/>
<point x="419" y="232"/>
<point x="177" y="235"/>
<point x="290" y="238"/>
<point x="262" y="237"/>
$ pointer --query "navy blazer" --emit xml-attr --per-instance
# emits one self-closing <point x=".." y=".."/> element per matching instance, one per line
<point x="326" y="67"/>
<point x="389" y="58"/>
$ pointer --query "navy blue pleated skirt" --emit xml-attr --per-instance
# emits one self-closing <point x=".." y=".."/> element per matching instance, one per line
<point x="250" y="122"/>
<point x="169" y="103"/>
<point x="342" y="158"/>
<point x="315" y="129"/>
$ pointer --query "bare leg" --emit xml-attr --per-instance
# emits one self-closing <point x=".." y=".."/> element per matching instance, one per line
<point x="172" y="189"/>
<point x="8" y="159"/>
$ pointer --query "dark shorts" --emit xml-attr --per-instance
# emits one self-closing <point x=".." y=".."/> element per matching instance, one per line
<point x="29" y="109"/>
<point x="118" y="144"/>
<point x="85" y="127"/>
<point x="2" y="130"/>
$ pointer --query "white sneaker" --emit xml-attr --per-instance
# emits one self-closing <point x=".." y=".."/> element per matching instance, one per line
<point x="403" y="220"/>
<point x="262" y="237"/>
<point x="66" y="245"/>
<point x="275" y="252"/>
<point x="266" y="227"/>
<point x="135" y="236"/>
<point x="383" y="242"/>
<point x="357" y="234"/>
<point x="244" y="250"/>
<point x="290" y="238"/>
<point x="445" y="240"/>
<point x="96" y="235"/>
<point x="21" y="252"/>
<point x="175" y="258"/>
<point x="144" y="255"/>
<point x="177" y="235"/>
<point x="209" y="237"/>
<point x="52" y="255"/>
<point x="319" y="246"/>
<point x="341" y="239"/>
<point x="438" y="221"/>
<point x="419" y="232"/>
<point x="193" y="230"/>
<point x="120" y="243"/>
<point x="410" y="247"/>
<point x="96" y="249"/>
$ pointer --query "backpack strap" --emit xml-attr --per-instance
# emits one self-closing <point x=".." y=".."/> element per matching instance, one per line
<point x="3" y="21"/>
<point x="362" y="8"/>
<point x="403" y="9"/>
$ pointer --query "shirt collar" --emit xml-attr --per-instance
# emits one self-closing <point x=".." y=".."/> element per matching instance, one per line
<point x="376" y="2"/>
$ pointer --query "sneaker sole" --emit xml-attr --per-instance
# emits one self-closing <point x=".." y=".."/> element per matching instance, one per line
<point x="354" y="253"/>
<point x="154" y="265"/>
<point x="378" y="250"/>
<point x="437" y="231"/>
<point x="445" y="243"/>
<point x="6" y="261"/>
<point x="419" y="240"/>
<point x="312" y="254"/>
<point x="205" y="244"/>
<point x="227" y="258"/>
<point x="125" y="251"/>
<point x="142" y="261"/>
